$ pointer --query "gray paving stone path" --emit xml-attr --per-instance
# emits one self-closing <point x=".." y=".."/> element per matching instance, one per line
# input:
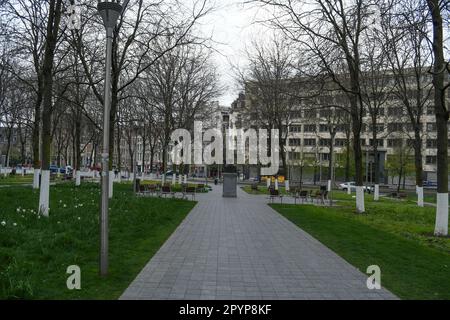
<point x="240" y="248"/>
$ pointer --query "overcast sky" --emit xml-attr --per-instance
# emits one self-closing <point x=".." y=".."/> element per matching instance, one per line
<point x="232" y="26"/>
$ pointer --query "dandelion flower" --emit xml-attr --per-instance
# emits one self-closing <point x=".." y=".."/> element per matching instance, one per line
<point x="3" y="223"/>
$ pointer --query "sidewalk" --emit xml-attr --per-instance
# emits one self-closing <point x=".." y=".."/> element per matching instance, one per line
<point x="240" y="248"/>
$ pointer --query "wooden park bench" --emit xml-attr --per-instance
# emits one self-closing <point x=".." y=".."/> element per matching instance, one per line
<point x="303" y="195"/>
<point x="402" y="195"/>
<point x="189" y="191"/>
<point x="321" y="196"/>
<point x="166" y="190"/>
<point x="200" y="187"/>
<point x="152" y="189"/>
<point x="275" y="194"/>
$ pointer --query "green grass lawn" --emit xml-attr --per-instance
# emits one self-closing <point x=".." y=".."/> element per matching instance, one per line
<point x="396" y="235"/>
<point x="16" y="179"/>
<point x="36" y="251"/>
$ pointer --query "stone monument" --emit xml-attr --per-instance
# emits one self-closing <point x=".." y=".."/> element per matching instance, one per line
<point x="229" y="182"/>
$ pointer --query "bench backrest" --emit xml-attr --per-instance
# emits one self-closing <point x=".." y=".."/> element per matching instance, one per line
<point x="274" y="192"/>
<point x="190" y="189"/>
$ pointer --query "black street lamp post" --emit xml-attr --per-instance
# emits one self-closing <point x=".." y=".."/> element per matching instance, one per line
<point x="110" y="12"/>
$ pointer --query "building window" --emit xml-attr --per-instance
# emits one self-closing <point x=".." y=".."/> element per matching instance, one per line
<point x="430" y="159"/>
<point x="431" y="143"/>
<point x="379" y="127"/>
<point x="363" y="142"/>
<point x="341" y="127"/>
<point x="295" y="142"/>
<point x="323" y="128"/>
<point x="325" y="156"/>
<point x="395" y="127"/>
<point x="380" y="142"/>
<point x="430" y="110"/>
<point x="395" y="111"/>
<point x="295" y="128"/>
<point x="431" y="127"/>
<point x="309" y="128"/>
<point x="339" y="142"/>
<point x="324" y="142"/>
<point x="393" y="143"/>
<point x="310" y="142"/>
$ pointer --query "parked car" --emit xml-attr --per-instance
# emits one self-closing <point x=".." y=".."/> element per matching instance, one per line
<point x="64" y="170"/>
<point x="170" y="173"/>
<point x="429" y="184"/>
<point x="53" y="168"/>
<point x="352" y="185"/>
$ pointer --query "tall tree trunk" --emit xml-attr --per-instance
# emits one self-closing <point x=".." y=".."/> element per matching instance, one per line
<point x="36" y="129"/>
<point x="442" y="117"/>
<point x="54" y="17"/>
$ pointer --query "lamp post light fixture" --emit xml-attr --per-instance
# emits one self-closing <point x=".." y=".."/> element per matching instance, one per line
<point x="110" y="12"/>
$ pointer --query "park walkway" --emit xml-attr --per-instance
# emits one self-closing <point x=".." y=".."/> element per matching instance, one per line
<point x="240" y="248"/>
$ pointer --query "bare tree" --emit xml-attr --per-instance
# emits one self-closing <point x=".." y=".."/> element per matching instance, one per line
<point x="441" y="69"/>
<point x="269" y="84"/>
<point x="330" y="33"/>
<point x="404" y="41"/>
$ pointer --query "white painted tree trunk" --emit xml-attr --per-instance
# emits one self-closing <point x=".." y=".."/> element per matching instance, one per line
<point x="174" y="179"/>
<point x="111" y="184"/>
<point x="376" y="193"/>
<point x="185" y="178"/>
<point x="349" y="189"/>
<point x="441" y="228"/>
<point x="268" y="182"/>
<point x="180" y="179"/>
<point x="23" y="172"/>
<point x="119" y="177"/>
<point x="286" y="185"/>
<point x="329" y="185"/>
<point x="163" y="179"/>
<point x="78" y="178"/>
<point x="36" y="175"/>
<point x="44" y="195"/>
<point x="419" y="196"/>
<point x="276" y="184"/>
<point x="360" y="199"/>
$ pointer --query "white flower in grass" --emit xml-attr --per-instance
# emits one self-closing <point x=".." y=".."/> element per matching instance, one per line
<point x="79" y="218"/>
<point x="64" y="205"/>
<point x="59" y="222"/>
<point x="3" y="223"/>
<point x="24" y="210"/>
<point x="60" y="201"/>
<point x="18" y="209"/>
<point x="15" y="224"/>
